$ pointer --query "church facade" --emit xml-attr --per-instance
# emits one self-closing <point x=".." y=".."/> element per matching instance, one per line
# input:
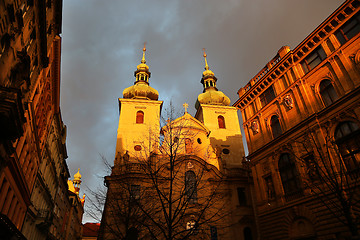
<point x="177" y="177"/>
<point x="301" y="117"/>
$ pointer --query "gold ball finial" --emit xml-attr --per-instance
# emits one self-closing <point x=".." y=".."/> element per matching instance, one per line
<point x="144" y="49"/>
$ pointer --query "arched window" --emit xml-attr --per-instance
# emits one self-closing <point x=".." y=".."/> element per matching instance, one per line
<point x="132" y="234"/>
<point x="190" y="186"/>
<point x="247" y="234"/>
<point x="140" y="117"/>
<point x="327" y="92"/>
<point x="188" y="146"/>
<point x="221" y="121"/>
<point x="347" y="137"/>
<point x="288" y="174"/>
<point x="275" y="126"/>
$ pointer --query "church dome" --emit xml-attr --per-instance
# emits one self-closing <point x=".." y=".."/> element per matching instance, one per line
<point x="213" y="97"/>
<point x="77" y="176"/>
<point x="141" y="88"/>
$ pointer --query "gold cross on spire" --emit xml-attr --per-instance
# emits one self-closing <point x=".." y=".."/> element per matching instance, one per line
<point x="206" y="64"/>
<point x="144" y="50"/>
<point x="185" y="105"/>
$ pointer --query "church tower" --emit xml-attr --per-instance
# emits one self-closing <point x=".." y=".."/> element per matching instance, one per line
<point x="139" y="121"/>
<point x="214" y="112"/>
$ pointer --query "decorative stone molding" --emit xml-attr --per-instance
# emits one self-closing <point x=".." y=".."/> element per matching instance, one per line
<point x="288" y="101"/>
<point x="255" y="126"/>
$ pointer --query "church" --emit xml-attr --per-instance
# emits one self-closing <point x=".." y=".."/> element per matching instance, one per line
<point x="178" y="177"/>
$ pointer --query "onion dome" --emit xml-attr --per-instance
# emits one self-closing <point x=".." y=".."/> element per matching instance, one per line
<point x="210" y="95"/>
<point x="77" y="176"/>
<point x="141" y="88"/>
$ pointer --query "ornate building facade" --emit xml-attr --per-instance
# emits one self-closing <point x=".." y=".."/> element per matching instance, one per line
<point x="301" y="117"/>
<point x="33" y="170"/>
<point x="185" y="179"/>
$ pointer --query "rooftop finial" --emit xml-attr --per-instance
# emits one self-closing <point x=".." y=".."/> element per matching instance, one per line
<point x="206" y="64"/>
<point x="144" y="50"/>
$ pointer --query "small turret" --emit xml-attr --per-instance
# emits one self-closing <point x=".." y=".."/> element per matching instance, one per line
<point x="210" y="95"/>
<point x="141" y="88"/>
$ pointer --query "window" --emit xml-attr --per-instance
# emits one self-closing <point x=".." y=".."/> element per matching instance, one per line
<point x="313" y="59"/>
<point x="349" y="29"/>
<point x="241" y="196"/>
<point x="275" y="126"/>
<point x="247" y="234"/>
<point x="213" y="233"/>
<point x="327" y="92"/>
<point x="135" y="192"/>
<point x="289" y="178"/>
<point x="221" y="121"/>
<point x="140" y="117"/>
<point x="267" y="96"/>
<point x="347" y="137"/>
<point x="188" y="146"/>
<point x="190" y="186"/>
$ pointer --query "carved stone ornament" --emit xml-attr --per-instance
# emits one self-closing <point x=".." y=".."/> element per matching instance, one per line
<point x="288" y="101"/>
<point x="190" y="165"/>
<point x="255" y="126"/>
<point x="357" y="58"/>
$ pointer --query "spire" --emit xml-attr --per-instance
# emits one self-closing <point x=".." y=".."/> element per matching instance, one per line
<point x="206" y="64"/>
<point x="210" y="94"/>
<point x="141" y="88"/>
<point x="207" y="71"/>
<point x="143" y="57"/>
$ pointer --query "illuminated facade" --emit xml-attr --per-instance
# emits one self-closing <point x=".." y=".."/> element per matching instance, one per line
<point x="206" y="153"/>
<point x="310" y="94"/>
<point x="33" y="171"/>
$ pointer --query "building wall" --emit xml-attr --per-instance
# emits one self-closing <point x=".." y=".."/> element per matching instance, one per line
<point x="32" y="141"/>
<point x="301" y="108"/>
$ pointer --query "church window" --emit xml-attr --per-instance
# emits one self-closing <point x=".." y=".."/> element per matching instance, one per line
<point x="248" y="234"/>
<point x="313" y="59"/>
<point x="199" y="141"/>
<point x="135" y="192"/>
<point x="267" y="96"/>
<point x="275" y="126"/>
<point x="137" y="148"/>
<point x="213" y="233"/>
<point x="226" y="151"/>
<point x="140" y="117"/>
<point x="350" y="29"/>
<point x="241" y="196"/>
<point x="221" y="121"/>
<point x="190" y="186"/>
<point x="347" y="138"/>
<point x="288" y="174"/>
<point x="176" y="139"/>
<point x="188" y="146"/>
<point x="327" y="92"/>
<point x="132" y="234"/>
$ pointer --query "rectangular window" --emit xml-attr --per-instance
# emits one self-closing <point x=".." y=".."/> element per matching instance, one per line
<point x="313" y="59"/>
<point x="241" y="196"/>
<point x="135" y="192"/>
<point x="349" y="29"/>
<point x="267" y="96"/>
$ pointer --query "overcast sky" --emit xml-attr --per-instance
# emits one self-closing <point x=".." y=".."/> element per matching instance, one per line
<point x="102" y="43"/>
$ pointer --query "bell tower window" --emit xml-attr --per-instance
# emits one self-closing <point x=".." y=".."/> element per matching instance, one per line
<point x="221" y="121"/>
<point x="140" y="117"/>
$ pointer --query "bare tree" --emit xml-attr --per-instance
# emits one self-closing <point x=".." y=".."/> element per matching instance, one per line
<point x="169" y="190"/>
<point x="331" y="176"/>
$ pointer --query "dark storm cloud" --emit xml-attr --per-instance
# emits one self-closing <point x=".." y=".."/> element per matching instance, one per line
<point x="102" y="42"/>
